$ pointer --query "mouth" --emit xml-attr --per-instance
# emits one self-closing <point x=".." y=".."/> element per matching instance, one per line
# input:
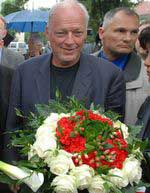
<point x="69" y="50"/>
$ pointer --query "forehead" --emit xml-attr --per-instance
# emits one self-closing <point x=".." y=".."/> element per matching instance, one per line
<point x="122" y="19"/>
<point x="66" y="16"/>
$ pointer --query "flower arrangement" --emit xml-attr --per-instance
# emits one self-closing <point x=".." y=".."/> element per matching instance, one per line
<point x="83" y="149"/>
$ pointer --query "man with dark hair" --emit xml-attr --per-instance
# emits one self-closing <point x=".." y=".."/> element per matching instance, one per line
<point x="144" y="112"/>
<point x="118" y="35"/>
<point x="8" y="62"/>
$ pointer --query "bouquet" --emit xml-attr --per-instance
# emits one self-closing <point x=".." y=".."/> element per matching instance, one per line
<point x="73" y="149"/>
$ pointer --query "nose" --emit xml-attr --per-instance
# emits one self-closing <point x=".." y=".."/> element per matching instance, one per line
<point x="147" y="61"/>
<point x="69" y="38"/>
<point x="128" y="36"/>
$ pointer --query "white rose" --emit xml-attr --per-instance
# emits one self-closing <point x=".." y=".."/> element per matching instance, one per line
<point x="132" y="170"/>
<point x="51" y="121"/>
<point x="123" y="127"/>
<point x="118" y="179"/>
<point x="54" y="117"/>
<point x="44" y="144"/>
<point x="84" y="175"/>
<point x="44" y="130"/>
<point x="64" y="184"/>
<point x="61" y="163"/>
<point x="64" y="115"/>
<point x="96" y="185"/>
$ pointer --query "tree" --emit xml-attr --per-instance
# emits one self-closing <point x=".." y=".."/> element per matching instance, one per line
<point x="10" y="6"/>
<point x="98" y="8"/>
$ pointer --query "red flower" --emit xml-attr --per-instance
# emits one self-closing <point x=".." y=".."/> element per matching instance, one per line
<point x="75" y="136"/>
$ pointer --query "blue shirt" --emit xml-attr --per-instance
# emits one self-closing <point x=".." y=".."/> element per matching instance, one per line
<point x="119" y="62"/>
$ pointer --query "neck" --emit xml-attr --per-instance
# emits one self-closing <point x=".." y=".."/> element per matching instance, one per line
<point x="112" y="55"/>
<point x="63" y="64"/>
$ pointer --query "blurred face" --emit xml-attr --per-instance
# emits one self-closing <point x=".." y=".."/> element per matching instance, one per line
<point x="139" y="49"/>
<point x="119" y="37"/>
<point x="3" y="32"/>
<point x="146" y="59"/>
<point x="67" y="35"/>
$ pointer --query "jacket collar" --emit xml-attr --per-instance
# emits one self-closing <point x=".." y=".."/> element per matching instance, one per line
<point x="133" y="67"/>
<point x="81" y="84"/>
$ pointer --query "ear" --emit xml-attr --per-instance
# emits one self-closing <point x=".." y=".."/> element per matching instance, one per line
<point x="101" y="32"/>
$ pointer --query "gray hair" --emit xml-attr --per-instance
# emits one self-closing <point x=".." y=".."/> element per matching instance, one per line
<point x="110" y="14"/>
<point x="66" y="3"/>
<point x="3" y="20"/>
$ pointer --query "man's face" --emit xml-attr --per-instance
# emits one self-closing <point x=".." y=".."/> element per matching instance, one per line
<point x="2" y="30"/>
<point x="120" y="35"/>
<point x="138" y="48"/>
<point x="67" y="36"/>
<point x="146" y="59"/>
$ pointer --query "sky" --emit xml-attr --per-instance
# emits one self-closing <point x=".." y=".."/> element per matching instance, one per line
<point x="40" y="3"/>
<point x="35" y="4"/>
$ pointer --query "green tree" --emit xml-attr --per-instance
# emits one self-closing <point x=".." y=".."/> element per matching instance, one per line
<point x="10" y="6"/>
<point x="98" y="8"/>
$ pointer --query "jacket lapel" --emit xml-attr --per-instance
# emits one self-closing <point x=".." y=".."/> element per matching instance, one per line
<point x="133" y="67"/>
<point x="42" y="78"/>
<point x="83" y="79"/>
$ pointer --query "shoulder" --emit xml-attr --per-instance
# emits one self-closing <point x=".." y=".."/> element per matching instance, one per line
<point x="12" y="53"/>
<point x="35" y="63"/>
<point x="100" y="64"/>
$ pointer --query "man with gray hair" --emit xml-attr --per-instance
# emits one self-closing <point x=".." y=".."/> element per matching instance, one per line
<point x="66" y="68"/>
<point x="118" y="35"/>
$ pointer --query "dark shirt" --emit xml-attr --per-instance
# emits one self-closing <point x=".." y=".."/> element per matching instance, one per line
<point x="62" y="79"/>
<point x="119" y="62"/>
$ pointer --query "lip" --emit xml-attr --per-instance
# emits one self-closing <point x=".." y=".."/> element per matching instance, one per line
<point x="69" y="50"/>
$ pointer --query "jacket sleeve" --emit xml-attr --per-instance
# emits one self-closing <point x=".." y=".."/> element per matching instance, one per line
<point x="12" y="122"/>
<point x="116" y="97"/>
<point x="14" y="102"/>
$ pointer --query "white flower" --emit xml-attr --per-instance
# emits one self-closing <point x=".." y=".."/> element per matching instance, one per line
<point x="51" y="121"/>
<point x="64" y="184"/>
<point x="96" y="185"/>
<point x="84" y="175"/>
<point x="32" y="179"/>
<point x="123" y="127"/>
<point x="52" y="118"/>
<point x="132" y="170"/>
<point x="118" y="179"/>
<point x="44" y="144"/>
<point x="44" y="130"/>
<point x="61" y="163"/>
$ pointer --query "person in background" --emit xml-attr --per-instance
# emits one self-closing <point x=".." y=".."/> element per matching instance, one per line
<point x="118" y="35"/>
<point x="48" y="48"/>
<point x="143" y="116"/>
<point x="34" y="46"/>
<point x="138" y="48"/>
<point x="9" y="60"/>
<point x="66" y="68"/>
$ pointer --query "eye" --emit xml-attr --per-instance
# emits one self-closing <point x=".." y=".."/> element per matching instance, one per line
<point x="134" y="32"/>
<point x="121" y="30"/>
<point x="145" y="54"/>
<point x="78" y="33"/>
<point x="60" y="33"/>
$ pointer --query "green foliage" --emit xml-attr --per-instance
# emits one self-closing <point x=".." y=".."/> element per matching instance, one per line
<point x="10" y="6"/>
<point x="5" y="179"/>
